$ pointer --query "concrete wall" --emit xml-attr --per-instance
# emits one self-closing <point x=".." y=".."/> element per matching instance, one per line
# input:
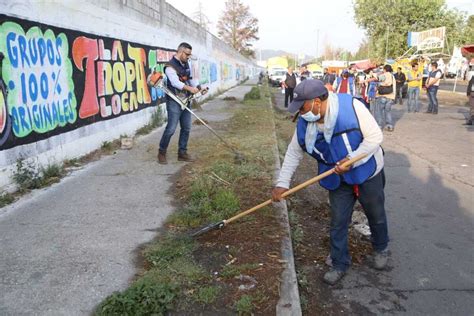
<point x="76" y="72"/>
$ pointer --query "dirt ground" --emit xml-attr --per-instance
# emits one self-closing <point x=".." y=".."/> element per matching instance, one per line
<point x="251" y="246"/>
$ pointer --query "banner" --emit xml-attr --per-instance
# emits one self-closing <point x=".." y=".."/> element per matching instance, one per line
<point x="429" y="39"/>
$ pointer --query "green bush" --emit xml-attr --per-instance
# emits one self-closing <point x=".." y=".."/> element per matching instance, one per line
<point x="253" y="94"/>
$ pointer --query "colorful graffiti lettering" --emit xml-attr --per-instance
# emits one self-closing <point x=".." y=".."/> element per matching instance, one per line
<point x="112" y="83"/>
<point x="38" y="75"/>
<point x="157" y="58"/>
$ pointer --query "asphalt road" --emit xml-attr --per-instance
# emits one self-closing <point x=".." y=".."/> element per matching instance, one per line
<point x="429" y="166"/>
<point x="448" y="85"/>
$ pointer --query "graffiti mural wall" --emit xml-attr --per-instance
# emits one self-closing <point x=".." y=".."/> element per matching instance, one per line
<point x="57" y="80"/>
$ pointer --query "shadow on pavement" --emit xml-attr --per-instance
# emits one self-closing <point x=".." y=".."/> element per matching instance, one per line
<point x="429" y="233"/>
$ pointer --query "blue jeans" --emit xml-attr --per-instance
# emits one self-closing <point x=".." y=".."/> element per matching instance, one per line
<point x="383" y="111"/>
<point x="175" y="115"/>
<point x="413" y="96"/>
<point x="372" y="199"/>
<point x="433" y="105"/>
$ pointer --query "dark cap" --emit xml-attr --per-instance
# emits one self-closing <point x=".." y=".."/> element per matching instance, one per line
<point x="306" y="90"/>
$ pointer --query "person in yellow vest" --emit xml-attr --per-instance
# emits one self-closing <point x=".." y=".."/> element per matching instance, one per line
<point x="414" y="79"/>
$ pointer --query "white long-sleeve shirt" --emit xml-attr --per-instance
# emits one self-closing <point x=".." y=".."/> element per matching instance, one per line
<point x="372" y="139"/>
<point x="173" y="78"/>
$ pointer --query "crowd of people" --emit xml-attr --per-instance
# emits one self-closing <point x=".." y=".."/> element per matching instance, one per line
<point x="381" y="87"/>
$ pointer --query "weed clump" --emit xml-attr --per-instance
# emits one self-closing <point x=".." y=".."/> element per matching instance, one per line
<point x="6" y="198"/>
<point x="253" y="94"/>
<point x="145" y="297"/>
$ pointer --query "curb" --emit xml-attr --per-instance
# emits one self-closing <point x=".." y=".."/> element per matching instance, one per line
<point x="289" y="303"/>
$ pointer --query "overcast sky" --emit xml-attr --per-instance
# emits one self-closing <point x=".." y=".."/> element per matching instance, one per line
<point x="294" y="25"/>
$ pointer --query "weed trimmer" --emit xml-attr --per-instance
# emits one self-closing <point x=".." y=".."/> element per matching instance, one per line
<point x="156" y="79"/>
<point x="323" y="175"/>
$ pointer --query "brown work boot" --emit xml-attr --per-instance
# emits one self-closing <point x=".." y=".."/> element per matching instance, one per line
<point x="162" y="157"/>
<point x="183" y="156"/>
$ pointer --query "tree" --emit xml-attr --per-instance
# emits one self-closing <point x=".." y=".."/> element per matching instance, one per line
<point x="238" y="27"/>
<point x="201" y="18"/>
<point x="388" y="22"/>
<point x="364" y="50"/>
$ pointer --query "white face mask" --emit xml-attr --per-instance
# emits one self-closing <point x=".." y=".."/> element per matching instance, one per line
<point x="310" y="116"/>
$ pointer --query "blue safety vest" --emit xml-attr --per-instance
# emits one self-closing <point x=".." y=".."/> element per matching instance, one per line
<point x="350" y="82"/>
<point x="346" y="138"/>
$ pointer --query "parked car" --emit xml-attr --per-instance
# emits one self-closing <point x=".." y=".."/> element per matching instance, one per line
<point x="275" y="77"/>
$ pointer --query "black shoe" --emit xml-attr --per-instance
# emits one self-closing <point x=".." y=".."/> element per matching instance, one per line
<point x="428" y="112"/>
<point x="468" y="123"/>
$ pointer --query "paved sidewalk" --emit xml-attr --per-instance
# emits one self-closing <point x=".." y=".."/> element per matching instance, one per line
<point x="65" y="248"/>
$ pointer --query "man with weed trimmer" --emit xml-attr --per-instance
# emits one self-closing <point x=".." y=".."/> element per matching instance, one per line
<point x="332" y="128"/>
<point x="181" y="83"/>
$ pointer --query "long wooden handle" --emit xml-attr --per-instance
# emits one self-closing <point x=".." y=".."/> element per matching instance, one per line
<point x="295" y="189"/>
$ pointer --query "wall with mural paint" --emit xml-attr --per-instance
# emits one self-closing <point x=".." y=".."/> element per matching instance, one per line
<point x="75" y="75"/>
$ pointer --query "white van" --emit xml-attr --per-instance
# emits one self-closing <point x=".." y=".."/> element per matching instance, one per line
<point x="276" y="76"/>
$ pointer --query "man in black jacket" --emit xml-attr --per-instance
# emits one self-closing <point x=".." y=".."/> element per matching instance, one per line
<point x="289" y="84"/>
<point x="400" y="80"/>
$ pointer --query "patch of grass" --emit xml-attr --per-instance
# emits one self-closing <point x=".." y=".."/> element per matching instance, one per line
<point x="208" y="202"/>
<point x="253" y="94"/>
<point x="169" y="248"/>
<point x="244" y="305"/>
<point x="297" y="235"/>
<point x="52" y="174"/>
<point x="207" y="295"/>
<point x="302" y="280"/>
<point x="145" y="297"/>
<point x="6" y="198"/>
